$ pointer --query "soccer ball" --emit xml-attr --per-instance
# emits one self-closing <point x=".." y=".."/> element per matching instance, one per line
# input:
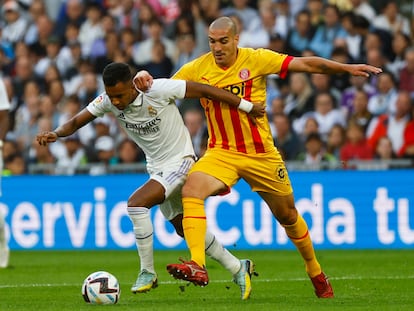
<point x="101" y="288"/>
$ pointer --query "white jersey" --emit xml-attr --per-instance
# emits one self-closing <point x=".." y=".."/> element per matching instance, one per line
<point x="4" y="99"/>
<point x="153" y="121"/>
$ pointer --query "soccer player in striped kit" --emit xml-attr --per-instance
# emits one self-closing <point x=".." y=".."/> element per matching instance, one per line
<point x="240" y="149"/>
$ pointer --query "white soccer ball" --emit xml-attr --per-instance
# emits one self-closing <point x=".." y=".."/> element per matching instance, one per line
<point x="101" y="288"/>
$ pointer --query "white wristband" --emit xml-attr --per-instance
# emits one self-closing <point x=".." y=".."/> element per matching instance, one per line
<point x="245" y="105"/>
<point x="1" y="145"/>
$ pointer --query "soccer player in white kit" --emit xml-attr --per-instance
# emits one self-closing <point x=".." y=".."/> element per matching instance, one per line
<point x="153" y="121"/>
<point x="4" y="127"/>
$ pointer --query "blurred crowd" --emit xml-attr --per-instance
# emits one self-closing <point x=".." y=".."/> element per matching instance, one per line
<point x="52" y="53"/>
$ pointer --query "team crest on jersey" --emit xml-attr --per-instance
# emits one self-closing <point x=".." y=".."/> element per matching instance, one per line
<point x="152" y="111"/>
<point x="244" y="74"/>
<point x="98" y="100"/>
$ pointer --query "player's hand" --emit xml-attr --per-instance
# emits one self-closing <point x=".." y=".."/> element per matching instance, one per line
<point x="45" y="138"/>
<point x="363" y="70"/>
<point x="143" y="80"/>
<point x="257" y="111"/>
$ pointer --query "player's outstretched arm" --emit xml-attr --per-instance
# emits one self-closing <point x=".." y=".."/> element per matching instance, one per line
<point x="314" y="64"/>
<point x="198" y="90"/>
<point x="66" y="129"/>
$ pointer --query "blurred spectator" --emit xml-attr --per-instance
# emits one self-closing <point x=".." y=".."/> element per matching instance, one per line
<point x="91" y="29"/>
<point x="101" y="46"/>
<point x="325" y="114"/>
<point x="129" y="153"/>
<point x="105" y="155"/>
<point x="341" y="80"/>
<point x="129" y="16"/>
<point x="383" y="149"/>
<point x="187" y="50"/>
<point x="27" y="116"/>
<point x="363" y="8"/>
<point x="323" y="42"/>
<point x="358" y="84"/>
<point x="391" y="20"/>
<point x="71" y="11"/>
<point x="315" y="8"/>
<point x="400" y="44"/>
<point x="323" y="83"/>
<point x="37" y="9"/>
<point x="300" y="36"/>
<point x="143" y="53"/>
<point x="254" y="38"/>
<point x="355" y="147"/>
<point x="248" y="15"/>
<point x="15" y="164"/>
<point x="15" y="24"/>
<point x="299" y="99"/>
<point x="392" y="125"/>
<point x="315" y="153"/>
<point x="73" y="155"/>
<point x="286" y="140"/>
<point x="160" y="65"/>
<point x="407" y="149"/>
<point x="109" y="50"/>
<point x="406" y="74"/>
<point x="89" y="89"/>
<point x="384" y="100"/>
<point x="335" y="140"/>
<point x="360" y="113"/>
<point x="195" y="122"/>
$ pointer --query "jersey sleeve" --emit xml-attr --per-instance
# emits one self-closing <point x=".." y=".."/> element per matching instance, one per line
<point x="167" y="89"/>
<point x="99" y="106"/>
<point x="273" y="62"/>
<point x="185" y="72"/>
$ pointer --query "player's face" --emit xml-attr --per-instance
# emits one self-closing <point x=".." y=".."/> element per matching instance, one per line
<point x="121" y="94"/>
<point x="223" y="45"/>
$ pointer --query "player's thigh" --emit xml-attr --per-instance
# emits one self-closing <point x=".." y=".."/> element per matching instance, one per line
<point x="172" y="207"/>
<point x="148" y="195"/>
<point x="213" y="174"/>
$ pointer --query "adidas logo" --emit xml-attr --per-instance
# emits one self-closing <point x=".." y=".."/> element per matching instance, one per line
<point x="121" y="116"/>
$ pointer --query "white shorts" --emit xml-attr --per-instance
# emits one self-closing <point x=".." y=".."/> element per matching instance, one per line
<point x="172" y="178"/>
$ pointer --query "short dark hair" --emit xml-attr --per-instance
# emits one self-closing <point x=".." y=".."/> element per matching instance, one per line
<point x="115" y="73"/>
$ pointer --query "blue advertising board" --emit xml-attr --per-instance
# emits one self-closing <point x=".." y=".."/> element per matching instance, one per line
<point x="344" y="209"/>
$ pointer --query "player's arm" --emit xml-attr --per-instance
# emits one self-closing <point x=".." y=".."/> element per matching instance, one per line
<point x="4" y="124"/>
<point x="198" y="90"/>
<point x="314" y="64"/>
<point x="66" y="129"/>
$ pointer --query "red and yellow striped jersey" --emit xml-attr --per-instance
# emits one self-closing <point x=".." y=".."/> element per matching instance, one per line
<point x="228" y="127"/>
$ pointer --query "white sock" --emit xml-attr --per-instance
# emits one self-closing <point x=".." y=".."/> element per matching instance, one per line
<point x="144" y="234"/>
<point x="217" y="252"/>
<point x="2" y="231"/>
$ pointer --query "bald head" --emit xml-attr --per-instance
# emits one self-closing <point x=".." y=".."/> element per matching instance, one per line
<point x="224" y="23"/>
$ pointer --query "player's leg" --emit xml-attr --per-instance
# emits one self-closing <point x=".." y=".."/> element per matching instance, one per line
<point x="148" y="195"/>
<point x="284" y="210"/>
<point x="4" y="249"/>
<point x="204" y="179"/>
<point x="241" y="270"/>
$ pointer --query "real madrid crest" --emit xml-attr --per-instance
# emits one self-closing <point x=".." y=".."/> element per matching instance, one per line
<point x="152" y="111"/>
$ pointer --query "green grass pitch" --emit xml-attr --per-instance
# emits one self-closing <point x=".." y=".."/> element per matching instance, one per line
<point x="362" y="280"/>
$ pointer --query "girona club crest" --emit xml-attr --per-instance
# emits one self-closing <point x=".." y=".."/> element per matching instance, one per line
<point x="244" y="74"/>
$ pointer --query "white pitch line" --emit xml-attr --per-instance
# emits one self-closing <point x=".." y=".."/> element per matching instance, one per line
<point x="254" y="280"/>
